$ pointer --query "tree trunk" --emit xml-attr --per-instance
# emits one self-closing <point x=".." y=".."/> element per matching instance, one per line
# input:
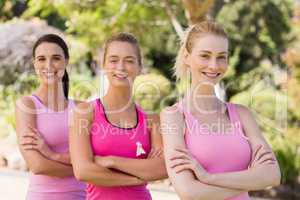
<point x="197" y="10"/>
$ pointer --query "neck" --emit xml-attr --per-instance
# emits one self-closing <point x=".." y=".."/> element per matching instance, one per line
<point x="202" y="97"/>
<point x="52" y="93"/>
<point x="119" y="98"/>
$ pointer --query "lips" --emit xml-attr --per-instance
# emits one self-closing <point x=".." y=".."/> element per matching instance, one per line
<point x="211" y="74"/>
<point x="121" y="76"/>
<point x="49" y="74"/>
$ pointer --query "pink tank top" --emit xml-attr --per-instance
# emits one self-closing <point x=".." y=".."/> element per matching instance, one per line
<point x="218" y="152"/>
<point x="53" y="127"/>
<point x="108" y="139"/>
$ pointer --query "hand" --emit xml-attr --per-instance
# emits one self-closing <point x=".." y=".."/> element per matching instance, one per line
<point x="183" y="160"/>
<point x="34" y="141"/>
<point x="262" y="156"/>
<point x="156" y="153"/>
<point x="104" y="161"/>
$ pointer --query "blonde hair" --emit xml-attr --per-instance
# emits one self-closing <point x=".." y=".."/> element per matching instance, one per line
<point x="192" y="33"/>
<point x="123" y="37"/>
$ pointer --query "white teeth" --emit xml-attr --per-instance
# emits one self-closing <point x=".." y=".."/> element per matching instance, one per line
<point x="211" y="75"/>
<point x="49" y="74"/>
<point x="121" y="76"/>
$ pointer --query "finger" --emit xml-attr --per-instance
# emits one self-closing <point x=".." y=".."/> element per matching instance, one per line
<point x="29" y="133"/>
<point x="269" y="160"/>
<point x="158" y="152"/>
<point x="150" y="155"/>
<point x="261" y="157"/>
<point x="182" y="150"/>
<point x="30" y="147"/>
<point x="266" y="157"/>
<point x="25" y="141"/>
<point x="32" y="128"/>
<point x="183" y="167"/>
<point x="262" y="154"/>
<point x="29" y="136"/>
<point x="256" y="151"/>
<point x="175" y="163"/>
<point x="180" y="156"/>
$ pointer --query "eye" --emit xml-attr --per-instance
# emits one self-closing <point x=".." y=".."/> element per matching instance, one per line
<point x="204" y="55"/>
<point x="113" y="61"/>
<point x="130" y="61"/>
<point x="222" y="57"/>
<point x="41" y="59"/>
<point x="56" y="58"/>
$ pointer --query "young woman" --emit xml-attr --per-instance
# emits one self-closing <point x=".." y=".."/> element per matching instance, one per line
<point x="116" y="147"/>
<point x="213" y="149"/>
<point x="42" y="125"/>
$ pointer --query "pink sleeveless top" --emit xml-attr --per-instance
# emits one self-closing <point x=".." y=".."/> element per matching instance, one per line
<point x="218" y="152"/>
<point x="108" y="139"/>
<point x="53" y="127"/>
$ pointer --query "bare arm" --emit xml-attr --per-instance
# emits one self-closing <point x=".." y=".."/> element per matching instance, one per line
<point x="62" y="158"/>
<point x="257" y="177"/>
<point x="37" y="163"/>
<point x="185" y="183"/>
<point x="85" y="169"/>
<point x="143" y="168"/>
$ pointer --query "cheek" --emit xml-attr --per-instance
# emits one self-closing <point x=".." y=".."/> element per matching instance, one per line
<point x="133" y="69"/>
<point x="197" y="61"/>
<point x="223" y="65"/>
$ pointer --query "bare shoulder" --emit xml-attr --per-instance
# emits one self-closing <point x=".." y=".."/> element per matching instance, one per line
<point x="244" y="112"/>
<point x="83" y="110"/>
<point x="171" y="113"/>
<point x="25" y="101"/>
<point x="25" y="105"/>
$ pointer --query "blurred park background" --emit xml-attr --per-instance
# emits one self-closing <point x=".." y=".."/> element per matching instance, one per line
<point x="264" y="69"/>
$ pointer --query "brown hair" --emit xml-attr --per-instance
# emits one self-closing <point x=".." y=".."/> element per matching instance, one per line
<point x="123" y="37"/>
<point x="53" y="38"/>
<point x="192" y="33"/>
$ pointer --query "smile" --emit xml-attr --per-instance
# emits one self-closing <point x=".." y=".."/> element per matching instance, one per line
<point x="120" y="76"/>
<point x="211" y="75"/>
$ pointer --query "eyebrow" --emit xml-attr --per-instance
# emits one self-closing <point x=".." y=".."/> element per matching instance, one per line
<point x="55" y="55"/>
<point x="115" y="56"/>
<point x="209" y="52"/>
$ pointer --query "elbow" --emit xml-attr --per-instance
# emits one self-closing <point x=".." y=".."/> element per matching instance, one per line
<point x="154" y="177"/>
<point x="273" y="177"/>
<point x="185" y="192"/>
<point x="159" y="175"/>
<point x="37" y="168"/>
<point x="276" y="177"/>
<point x="80" y="174"/>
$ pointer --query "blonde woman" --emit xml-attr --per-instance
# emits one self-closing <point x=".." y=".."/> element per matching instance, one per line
<point x="213" y="149"/>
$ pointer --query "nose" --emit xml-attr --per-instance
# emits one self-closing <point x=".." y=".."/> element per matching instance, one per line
<point x="213" y="64"/>
<point x="48" y="64"/>
<point x="120" y="65"/>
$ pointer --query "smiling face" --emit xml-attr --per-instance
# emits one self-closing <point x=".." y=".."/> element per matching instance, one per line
<point x="208" y="59"/>
<point x="49" y="62"/>
<point x="121" y="63"/>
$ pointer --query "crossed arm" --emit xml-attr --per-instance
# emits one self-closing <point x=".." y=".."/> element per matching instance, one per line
<point x="32" y="147"/>
<point x="193" y="182"/>
<point x="142" y="168"/>
<point x="98" y="170"/>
